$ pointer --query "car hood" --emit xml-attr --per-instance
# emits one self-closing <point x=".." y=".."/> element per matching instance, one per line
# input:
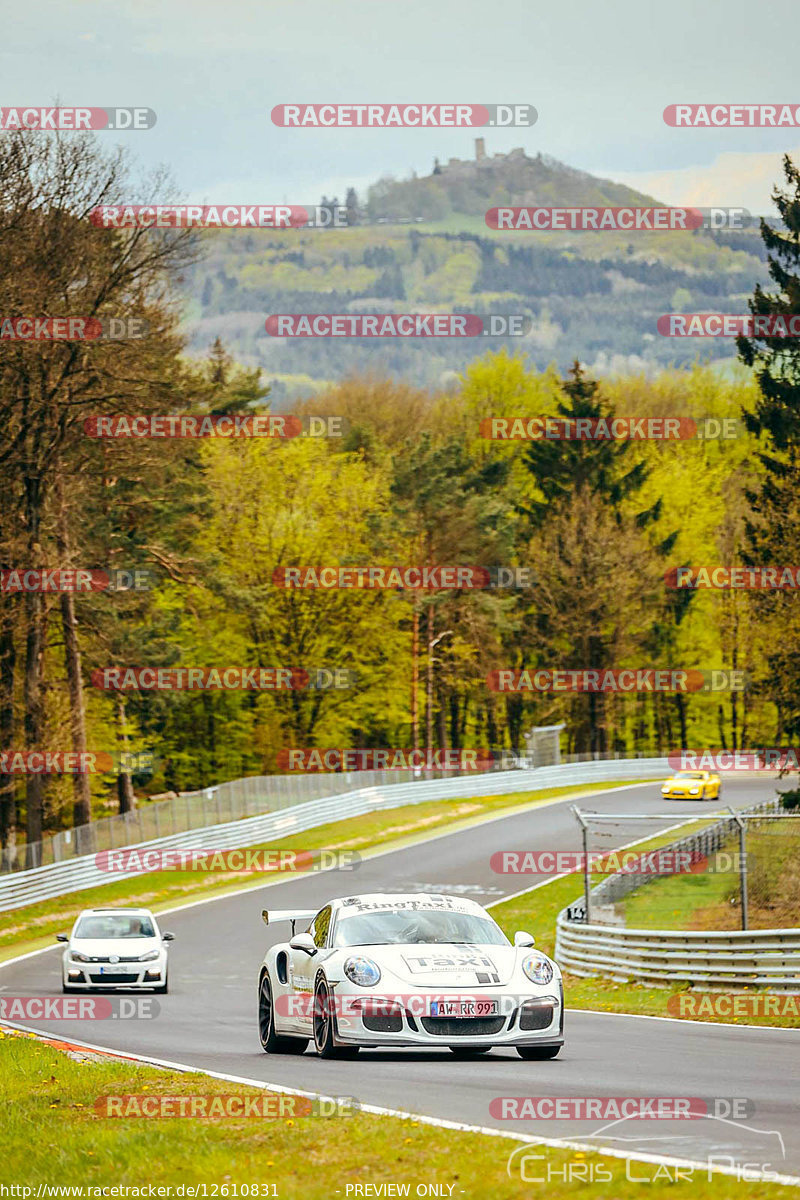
<point x="443" y="964"/>
<point x="123" y="947"/>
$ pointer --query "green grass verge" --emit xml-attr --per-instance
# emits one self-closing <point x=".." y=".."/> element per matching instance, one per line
<point x="711" y="900"/>
<point x="52" y="1135"/>
<point x="32" y="927"/>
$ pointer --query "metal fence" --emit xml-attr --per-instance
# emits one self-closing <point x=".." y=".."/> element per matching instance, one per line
<point x="703" y="844"/>
<point x="231" y="801"/>
<point x="717" y="958"/>
<point x="287" y="817"/>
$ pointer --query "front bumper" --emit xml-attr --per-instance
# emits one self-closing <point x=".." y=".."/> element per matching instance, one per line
<point x="87" y="976"/>
<point x="524" y="1021"/>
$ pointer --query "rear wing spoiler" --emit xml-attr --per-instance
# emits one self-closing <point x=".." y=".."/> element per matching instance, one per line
<point x="272" y="916"/>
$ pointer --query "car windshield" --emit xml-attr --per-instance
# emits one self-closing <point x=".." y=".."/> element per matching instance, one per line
<point x="114" y="925"/>
<point x="398" y="927"/>
<point x="689" y="775"/>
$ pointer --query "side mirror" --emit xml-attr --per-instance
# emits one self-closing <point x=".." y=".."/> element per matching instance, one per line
<point x="523" y="939"/>
<point x="304" y="942"/>
<point x="168" y="937"/>
<point x="62" y="937"/>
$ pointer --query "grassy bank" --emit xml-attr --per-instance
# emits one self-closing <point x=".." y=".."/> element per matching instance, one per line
<point x="53" y="1135"/>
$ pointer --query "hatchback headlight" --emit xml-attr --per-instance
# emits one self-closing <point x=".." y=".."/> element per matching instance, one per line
<point x="149" y="957"/>
<point x="537" y="968"/>
<point x="79" y="957"/>
<point x="362" y="971"/>
<point x="694" y="791"/>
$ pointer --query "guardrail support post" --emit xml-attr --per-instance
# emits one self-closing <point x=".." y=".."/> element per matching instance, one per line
<point x="586" y="888"/>
<point x="742" y="827"/>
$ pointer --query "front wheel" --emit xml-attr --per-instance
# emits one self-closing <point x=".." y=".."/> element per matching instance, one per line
<point x="272" y="1042"/>
<point x="163" y="988"/>
<point x="325" y="1026"/>
<point x="538" y="1052"/>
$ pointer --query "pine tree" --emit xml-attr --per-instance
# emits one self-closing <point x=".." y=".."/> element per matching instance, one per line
<point x="772" y="532"/>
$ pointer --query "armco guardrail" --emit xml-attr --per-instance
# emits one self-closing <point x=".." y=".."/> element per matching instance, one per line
<point x="55" y="879"/>
<point x="738" y="957"/>
<point x="720" y="958"/>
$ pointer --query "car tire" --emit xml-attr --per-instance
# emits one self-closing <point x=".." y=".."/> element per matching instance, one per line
<point x="67" y="990"/>
<point x="538" y="1052"/>
<point x="163" y="988"/>
<point x="324" y="1021"/>
<point x="468" y="1051"/>
<point x="272" y="1042"/>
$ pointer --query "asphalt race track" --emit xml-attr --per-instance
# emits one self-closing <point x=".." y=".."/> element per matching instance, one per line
<point x="209" y="1018"/>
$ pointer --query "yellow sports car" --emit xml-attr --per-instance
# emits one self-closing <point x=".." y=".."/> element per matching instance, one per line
<point x="692" y="785"/>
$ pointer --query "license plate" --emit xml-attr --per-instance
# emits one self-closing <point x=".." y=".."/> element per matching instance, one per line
<point x="119" y="969"/>
<point x="464" y="1008"/>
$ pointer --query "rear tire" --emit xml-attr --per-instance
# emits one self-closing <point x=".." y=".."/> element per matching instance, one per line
<point x="324" y="1021"/>
<point x="272" y="1042"/>
<point x="538" y="1053"/>
<point x="468" y="1051"/>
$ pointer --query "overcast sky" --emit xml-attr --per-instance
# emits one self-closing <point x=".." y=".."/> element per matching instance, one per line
<point x="599" y="74"/>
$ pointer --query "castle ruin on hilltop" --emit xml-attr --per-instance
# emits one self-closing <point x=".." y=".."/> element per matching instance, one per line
<point x="481" y="161"/>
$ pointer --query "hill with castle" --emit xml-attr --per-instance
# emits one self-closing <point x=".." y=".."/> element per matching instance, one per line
<point x="471" y="186"/>
<point x="422" y="245"/>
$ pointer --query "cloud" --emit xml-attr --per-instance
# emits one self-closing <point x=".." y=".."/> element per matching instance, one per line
<point x="731" y="180"/>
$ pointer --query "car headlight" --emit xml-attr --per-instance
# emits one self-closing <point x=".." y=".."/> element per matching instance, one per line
<point x="362" y="971"/>
<point x="694" y="791"/>
<point x="665" y="788"/>
<point x="79" y="957"/>
<point x="149" y="957"/>
<point x="538" y="968"/>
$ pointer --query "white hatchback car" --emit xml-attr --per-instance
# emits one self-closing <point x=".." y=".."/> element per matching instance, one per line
<point x="115" y="948"/>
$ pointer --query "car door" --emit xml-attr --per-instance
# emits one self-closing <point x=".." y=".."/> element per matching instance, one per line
<point x="303" y="967"/>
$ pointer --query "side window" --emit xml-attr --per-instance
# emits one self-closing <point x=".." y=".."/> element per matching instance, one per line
<point x="319" y="927"/>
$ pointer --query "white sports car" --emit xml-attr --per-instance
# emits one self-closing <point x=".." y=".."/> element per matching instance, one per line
<point x="406" y="970"/>
<point x="115" y="948"/>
